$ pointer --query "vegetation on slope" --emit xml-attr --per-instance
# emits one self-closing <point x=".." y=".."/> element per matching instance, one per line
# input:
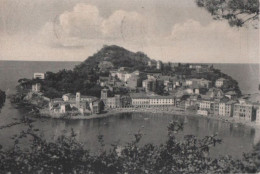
<point x="83" y="78"/>
<point x="237" y="12"/>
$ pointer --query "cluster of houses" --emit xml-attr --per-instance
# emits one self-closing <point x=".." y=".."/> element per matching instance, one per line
<point x="197" y="94"/>
<point x="75" y="104"/>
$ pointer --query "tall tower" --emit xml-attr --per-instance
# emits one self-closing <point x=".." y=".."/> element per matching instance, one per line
<point x="78" y="99"/>
<point x="149" y="63"/>
<point x="159" y="65"/>
<point x="104" y="94"/>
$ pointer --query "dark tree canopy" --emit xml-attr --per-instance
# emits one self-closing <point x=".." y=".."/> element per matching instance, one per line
<point x="237" y="12"/>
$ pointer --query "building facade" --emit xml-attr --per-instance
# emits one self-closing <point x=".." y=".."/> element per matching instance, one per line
<point x="39" y="76"/>
<point x="243" y="110"/>
<point x="142" y="100"/>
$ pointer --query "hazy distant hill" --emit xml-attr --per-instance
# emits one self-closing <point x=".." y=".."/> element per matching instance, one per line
<point x="118" y="56"/>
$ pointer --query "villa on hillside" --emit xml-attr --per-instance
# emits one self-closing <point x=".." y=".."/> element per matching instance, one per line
<point x="38" y="75"/>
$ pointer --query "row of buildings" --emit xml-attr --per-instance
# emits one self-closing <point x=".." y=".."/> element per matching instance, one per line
<point x="75" y="104"/>
<point x="240" y="109"/>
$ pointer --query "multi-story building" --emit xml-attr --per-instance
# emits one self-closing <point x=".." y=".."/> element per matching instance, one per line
<point x="206" y="105"/>
<point x="95" y="106"/>
<point x="229" y="108"/>
<point x="132" y="82"/>
<point x="143" y="100"/>
<point x="216" y="106"/>
<point x="243" y="110"/>
<point x="222" y="108"/>
<point x="198" y="83"/>
<point x="113" y="102"/>
<point x="149" y="84"/>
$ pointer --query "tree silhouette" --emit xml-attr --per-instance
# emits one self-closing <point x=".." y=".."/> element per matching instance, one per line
<point x="237" y="12"/>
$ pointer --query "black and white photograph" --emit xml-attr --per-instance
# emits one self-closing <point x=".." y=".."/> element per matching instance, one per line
<point x="129" y="86"/>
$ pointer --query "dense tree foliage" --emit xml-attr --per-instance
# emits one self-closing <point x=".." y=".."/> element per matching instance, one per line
<point x="237" y="12"/>
<point x="67" y="155"/>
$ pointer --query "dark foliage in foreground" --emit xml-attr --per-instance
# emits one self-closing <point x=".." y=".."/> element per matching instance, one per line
<point x="69" y="156"/>
<point x="236" y="12"/>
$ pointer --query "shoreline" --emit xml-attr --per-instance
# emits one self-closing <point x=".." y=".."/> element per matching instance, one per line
<point x="115" y="112"/>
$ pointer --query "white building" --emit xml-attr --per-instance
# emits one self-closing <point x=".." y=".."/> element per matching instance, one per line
<point x="39" y="76"/>
<point x="143" y="100"/>
<point x="159" y="65"/>
<point x="222" y="109"/>
<point x="206" y="105"/>
<point x="149" y="63"/>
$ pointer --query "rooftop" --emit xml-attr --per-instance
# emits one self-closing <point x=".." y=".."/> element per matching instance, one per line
<point x="145" y="96"/>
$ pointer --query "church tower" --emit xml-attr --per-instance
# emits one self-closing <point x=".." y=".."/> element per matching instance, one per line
<point x="104" y="94"/>
<point x="78" y="97"/>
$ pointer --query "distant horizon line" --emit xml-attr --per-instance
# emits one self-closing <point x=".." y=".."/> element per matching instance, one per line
<point x="84" y="60"/>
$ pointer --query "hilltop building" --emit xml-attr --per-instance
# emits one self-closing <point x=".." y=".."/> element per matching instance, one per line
<point x="159" y="65"/>
<point x="150" y="63"/>
<point x="198" y="83"/>
<point x="39" y="76"/>
<point x="220" y="82"/>
<point x="199" y="68"/>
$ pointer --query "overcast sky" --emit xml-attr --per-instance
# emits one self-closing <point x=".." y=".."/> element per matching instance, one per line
<point x="168" y="30"/>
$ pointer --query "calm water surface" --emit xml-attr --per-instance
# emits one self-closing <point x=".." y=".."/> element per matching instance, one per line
<point x="120" y="128"/>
